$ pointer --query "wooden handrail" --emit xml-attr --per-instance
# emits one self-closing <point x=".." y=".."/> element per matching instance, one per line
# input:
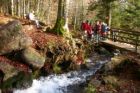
<point x="124" y="36"/>
<point x="131" y="31"/>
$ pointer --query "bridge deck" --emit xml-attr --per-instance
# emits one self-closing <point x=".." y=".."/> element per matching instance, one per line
<point x="119" y="45"/>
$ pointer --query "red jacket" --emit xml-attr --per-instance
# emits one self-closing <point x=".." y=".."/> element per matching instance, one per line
<point x="89" y="29"/>
<point x="84" y="26"/>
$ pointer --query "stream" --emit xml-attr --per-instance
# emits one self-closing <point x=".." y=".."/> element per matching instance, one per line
<point x="71" y="82"/>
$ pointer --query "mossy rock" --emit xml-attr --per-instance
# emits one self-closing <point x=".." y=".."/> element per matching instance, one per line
<point x="90" y="89"/>
<point x="12" y="38"/>
<point x="21" y="80"/>
<point x="57" y="69"/>
<point x="112" y="80"/>
<point x="33" y="58"/>
<point x="115" y="62"/>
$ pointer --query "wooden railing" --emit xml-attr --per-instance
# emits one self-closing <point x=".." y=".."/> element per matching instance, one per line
<point x="125" y="36"/>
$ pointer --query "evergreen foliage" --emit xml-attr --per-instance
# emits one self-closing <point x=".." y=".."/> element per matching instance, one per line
<point x="124" y="13"/>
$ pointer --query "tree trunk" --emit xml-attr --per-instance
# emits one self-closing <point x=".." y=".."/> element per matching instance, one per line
<point x="24" y="9"/>
<point x="61" y="26"/>
<point x="58" y="28"/>
<point x="17" y="8"/>
<point x="38" y="7"/>
<point x="28" y="6"/>
<point x="12" y="7"/>
<point x="66" y="11"/>
<point x="82" y="10"/>
<point x="75" y="16"/>
<point x="1" y="7"/>
<point x="48" y="12"/>
<point x="108" y="15"/>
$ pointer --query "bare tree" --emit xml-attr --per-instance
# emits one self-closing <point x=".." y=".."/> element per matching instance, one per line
<point x="66" y="12"/>
<point x="12" y="7"/>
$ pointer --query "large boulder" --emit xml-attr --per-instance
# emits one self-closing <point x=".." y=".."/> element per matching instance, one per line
<point x="8" y="70"/>
<point x="33" y="58"/>
<point x="14" y="74"/>
<point x="12" y="38"/>
<point x="14" y="77"/>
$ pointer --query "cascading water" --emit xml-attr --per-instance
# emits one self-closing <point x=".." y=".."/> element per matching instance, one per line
<point x="63" y="83"/>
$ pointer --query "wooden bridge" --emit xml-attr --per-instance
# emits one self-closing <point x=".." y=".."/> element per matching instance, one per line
<point x="124" y="39"/>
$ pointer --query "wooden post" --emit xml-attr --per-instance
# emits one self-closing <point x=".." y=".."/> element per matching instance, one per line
<point x="136" y="46"/>
<point x="113" y="35"/>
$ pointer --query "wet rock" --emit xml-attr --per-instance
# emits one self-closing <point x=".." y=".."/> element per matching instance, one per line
<point x="84" y="66"/>
<point x="33" y="58"/>
<point x="12" y="38"/>
<point x="105" y="52"/>
<point x="95" y="82"/>
<point x="111" y="80"/>
<point x="115" y="61"/>
<point x="102" y="50"/>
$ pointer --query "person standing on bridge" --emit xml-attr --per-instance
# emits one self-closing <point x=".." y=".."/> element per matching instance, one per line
<point x="104" y="29"/>
<point x="84" y="27"/>
<point x="97" y="29"/>
<point x="89" y="31"/>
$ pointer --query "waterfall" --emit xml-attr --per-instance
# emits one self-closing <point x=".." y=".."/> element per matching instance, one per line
<point x="61" y="83"/>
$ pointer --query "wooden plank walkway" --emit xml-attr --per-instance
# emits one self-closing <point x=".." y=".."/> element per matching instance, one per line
<point x="119" y="45"/>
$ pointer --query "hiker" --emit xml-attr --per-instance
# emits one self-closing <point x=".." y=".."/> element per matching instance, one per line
<point x="31" y="17"/>
<point x="97" y="31"/>
<point x="84" y="27"/>
<point x="89" y="30"/>
<point x="104" y="30"/>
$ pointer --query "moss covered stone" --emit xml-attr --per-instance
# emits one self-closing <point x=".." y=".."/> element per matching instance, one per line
<point x="33" y="58"/>
<point x="21" y="80"/>
<point x="12" y="38"/>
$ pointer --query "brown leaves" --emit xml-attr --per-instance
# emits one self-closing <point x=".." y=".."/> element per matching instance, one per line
<point x="17" y="65"/>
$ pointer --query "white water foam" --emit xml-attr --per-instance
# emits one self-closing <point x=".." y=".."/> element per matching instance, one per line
<point x="59" y="83"/>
